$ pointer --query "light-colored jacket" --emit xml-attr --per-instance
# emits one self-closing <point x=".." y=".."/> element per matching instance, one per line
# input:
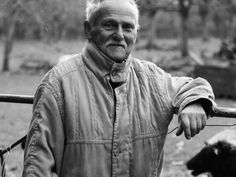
<point x="82" y="127"/>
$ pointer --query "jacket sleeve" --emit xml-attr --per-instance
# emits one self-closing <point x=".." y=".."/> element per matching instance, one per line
<point x="185" y="90"/>
<point x="45" y="139"/>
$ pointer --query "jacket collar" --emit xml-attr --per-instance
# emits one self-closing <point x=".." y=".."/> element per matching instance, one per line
<point x="103" y="66"/>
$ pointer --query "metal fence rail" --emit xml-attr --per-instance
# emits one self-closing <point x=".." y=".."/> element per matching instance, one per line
<point x="11" y="98"/>
<point x="28" y="99"/>
<point x="223" y="112"/>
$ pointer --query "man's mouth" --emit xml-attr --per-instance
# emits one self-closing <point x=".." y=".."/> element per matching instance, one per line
<point x="116" y="45"/>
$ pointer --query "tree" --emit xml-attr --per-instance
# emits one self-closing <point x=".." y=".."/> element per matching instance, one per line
<point x="224" y="17"/>
<point x="231" y="9"/>
<point x="150" y="8"/>
<point x="9" y="9"/>
<point x="55" y="18"/>
<point x="51" y="20"/>
<point x="184" y="8"/>
<point x="203" y="11"/>
<point x="146" y="8"/>
<point x="180" y="6"/>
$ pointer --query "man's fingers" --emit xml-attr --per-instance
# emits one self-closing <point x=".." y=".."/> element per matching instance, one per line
<point x="199" y="126"/>
<point x="192" y="120"/>
<point x="193" y="126"/>
<point x="179" y="130"/>
<point x="184" y="125"/>
<point x="201" y="122"/>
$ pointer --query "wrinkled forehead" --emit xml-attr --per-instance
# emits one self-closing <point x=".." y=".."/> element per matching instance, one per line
<point x="116" y="8"/>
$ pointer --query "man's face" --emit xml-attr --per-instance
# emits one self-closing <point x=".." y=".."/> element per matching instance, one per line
<point x="113" y="28"/>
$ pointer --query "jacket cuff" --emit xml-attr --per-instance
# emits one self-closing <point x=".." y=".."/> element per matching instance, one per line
<point x="206" y="102"/>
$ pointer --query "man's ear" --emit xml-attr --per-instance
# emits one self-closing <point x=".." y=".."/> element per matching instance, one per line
<point x="87" y="29"/>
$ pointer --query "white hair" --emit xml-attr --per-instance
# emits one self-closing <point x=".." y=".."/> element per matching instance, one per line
<point x="93" y="5"/>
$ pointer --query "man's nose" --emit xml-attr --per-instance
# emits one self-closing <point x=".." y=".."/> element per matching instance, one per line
<point x="119" y="34"/>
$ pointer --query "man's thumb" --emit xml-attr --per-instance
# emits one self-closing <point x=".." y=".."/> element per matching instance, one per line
<point x="179" y="130"/>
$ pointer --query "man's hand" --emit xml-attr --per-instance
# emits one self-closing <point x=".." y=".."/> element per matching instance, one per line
<point x="192" y="120"/>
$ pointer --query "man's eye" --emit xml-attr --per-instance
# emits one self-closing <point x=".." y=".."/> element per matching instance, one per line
<point x="108" y="25"/>
<point x="128" y="27"/>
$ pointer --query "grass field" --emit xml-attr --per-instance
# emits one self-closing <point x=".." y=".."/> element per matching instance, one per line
<point x="15" y="118"/>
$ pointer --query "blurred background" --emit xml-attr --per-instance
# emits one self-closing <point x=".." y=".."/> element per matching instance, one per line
<point x="184" y="37"/>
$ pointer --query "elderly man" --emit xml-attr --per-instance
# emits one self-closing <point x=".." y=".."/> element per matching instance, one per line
<point x="104" y="113"/>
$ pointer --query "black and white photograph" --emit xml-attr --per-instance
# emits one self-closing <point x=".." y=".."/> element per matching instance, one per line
<point x="117" y="88"/>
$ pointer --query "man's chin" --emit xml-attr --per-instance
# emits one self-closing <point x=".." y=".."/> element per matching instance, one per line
<point x="117" y="57"/>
